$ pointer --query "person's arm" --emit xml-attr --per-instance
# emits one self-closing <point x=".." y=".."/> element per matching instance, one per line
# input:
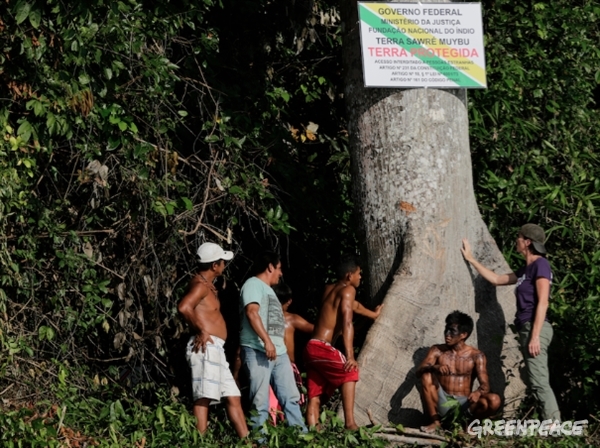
<point x="542" y="287"/>
<point x="187" y="308"/>
<point x="429" y="364"/>
<point x="252" y="313"/>
<point x="488" y="274"/>
<point x="237" y="365"/>
<point x="358" y="308"/>
<point x="301" y="324"/>
<point x="346" y="310"/>
<point x="482" y="376"/>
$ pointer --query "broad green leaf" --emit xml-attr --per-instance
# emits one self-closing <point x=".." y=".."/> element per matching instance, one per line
<point x="160" y="415"/>
<point x="45" y="332"/>
<point x="38" y="108"/>
<point x="113" y="143"/>
<point x="22" y="12"/>
<point x="187" y="203"/>
<point x="35" y="17"/>
<point x="25" y="130"/>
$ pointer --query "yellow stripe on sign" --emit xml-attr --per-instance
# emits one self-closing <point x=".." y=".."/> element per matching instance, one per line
<point x="472" y="70"/>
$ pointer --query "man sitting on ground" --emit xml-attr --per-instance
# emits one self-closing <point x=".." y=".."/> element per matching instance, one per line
<point x="447" y="374"/>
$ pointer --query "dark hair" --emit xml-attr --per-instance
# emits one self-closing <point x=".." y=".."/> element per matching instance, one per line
<point x="283" y="292"/>
<point x="464" y="322"/>
<point x="262" y="262"/>
<point x="348" y="265"/>
<point x="533" y="250"/>
<point x="203" y="267"/>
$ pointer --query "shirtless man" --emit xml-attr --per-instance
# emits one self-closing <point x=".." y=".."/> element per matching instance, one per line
<point x="449" y="370"/>
<point x="327" y="368"/>
<point x="358" y="307"/>
<point x="211" y="377"/>
<point x="293" y="322"/>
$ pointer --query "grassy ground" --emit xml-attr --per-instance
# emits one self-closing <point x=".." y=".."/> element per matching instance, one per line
<point x="124" y="423"/>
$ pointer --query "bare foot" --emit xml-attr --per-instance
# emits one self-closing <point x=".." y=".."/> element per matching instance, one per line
<point x="433" y="428"/>
<point x="353" y="427"/>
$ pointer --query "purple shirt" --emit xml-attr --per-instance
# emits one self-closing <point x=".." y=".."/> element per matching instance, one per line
<point x="526" y="290"/>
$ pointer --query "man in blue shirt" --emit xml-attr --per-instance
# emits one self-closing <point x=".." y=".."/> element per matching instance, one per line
<point x="263" y="352"/>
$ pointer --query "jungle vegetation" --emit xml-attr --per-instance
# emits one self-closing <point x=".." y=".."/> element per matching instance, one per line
<point x="134" y="130"/>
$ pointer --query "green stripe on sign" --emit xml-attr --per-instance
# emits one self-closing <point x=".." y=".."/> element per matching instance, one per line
<point x="433" y="61"/>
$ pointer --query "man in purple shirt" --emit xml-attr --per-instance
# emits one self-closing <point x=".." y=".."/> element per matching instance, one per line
<point x="533" y="293"/>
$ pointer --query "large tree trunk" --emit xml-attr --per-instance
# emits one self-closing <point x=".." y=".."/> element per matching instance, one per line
<point x="414" y="192"/>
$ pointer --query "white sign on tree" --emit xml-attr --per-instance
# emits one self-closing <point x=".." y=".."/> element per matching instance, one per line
<point x="422" y="45"/>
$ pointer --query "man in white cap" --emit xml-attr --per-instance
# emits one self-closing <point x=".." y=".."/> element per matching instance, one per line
<point x="211" y="378"/>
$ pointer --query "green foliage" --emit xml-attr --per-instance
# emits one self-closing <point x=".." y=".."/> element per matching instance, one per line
<point x="24" y="427"/>
<point x="134" y="130"/>
<point x="534" y="136"/>
<point x="131" y="134"/>
<point x="103" y="415"/>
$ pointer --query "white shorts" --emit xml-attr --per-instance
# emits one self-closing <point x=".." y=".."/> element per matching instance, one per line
<point x="211" y="377"/>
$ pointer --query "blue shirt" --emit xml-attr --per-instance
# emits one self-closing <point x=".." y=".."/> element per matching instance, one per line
<point x="270" y="312"/>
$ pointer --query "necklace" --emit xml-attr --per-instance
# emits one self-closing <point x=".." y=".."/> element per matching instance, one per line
<point x="211" y="285"/>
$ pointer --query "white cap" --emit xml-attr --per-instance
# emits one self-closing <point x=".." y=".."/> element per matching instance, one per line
<point x="209" y="252"/>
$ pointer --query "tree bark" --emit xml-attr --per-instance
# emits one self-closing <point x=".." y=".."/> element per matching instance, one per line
<point x="414" y="193"/>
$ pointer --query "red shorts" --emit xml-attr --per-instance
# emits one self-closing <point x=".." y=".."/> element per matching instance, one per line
<point x="325" y="369"/>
